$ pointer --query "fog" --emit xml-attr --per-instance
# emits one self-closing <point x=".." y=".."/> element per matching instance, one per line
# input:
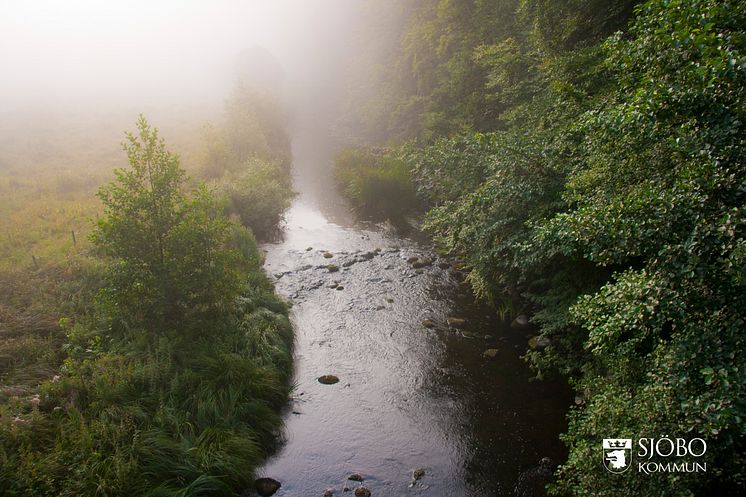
<point x="78" y="57"/>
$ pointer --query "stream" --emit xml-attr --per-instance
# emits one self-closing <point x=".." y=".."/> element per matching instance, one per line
<point x="409" y="397"/>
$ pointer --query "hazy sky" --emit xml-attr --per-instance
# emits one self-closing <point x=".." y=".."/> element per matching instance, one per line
<point x="70" y="52"/>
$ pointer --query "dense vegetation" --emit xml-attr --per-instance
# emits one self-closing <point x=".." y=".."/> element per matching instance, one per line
<point x="377" y="182"/>
<point x="587" y="159"/>
<point x="166" y="374"/>
<point x="248" y="156"/>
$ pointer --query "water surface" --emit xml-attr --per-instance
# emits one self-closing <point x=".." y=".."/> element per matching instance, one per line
<point x="409" y="396"/>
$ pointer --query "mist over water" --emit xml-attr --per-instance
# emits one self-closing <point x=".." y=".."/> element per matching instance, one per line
<point x="78" y="73"/>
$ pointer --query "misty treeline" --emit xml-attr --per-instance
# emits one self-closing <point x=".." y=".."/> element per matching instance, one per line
<point x="586" y="159"/>
<point x="152" y="357"/>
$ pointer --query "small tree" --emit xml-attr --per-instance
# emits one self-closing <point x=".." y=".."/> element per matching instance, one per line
<point x="171" y="263"/>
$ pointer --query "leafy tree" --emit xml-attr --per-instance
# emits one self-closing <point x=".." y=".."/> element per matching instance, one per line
<point x="171" y="262"/>
<point x="605" y="192"/>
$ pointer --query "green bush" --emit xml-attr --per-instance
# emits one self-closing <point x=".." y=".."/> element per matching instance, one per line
<point x="377" y="182"/>
<point x="259" y="196"/>
<point x="172" y="385"/>
<point x="608" y="196"/>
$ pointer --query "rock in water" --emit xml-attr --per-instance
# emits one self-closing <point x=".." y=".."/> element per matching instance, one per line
<point x="490" y="353"/>
<point x="355" y="477"/>
<point x="328" y="492"/>
<point x="418" y="474"/>
<point x="332" y="268"/>
<point x="520" y="322"/>
<point x="456" y="322"/>
<point x="328" y="255"/>
<point x="428" y="323"/>
<point x="362" y="492"/>
<point x="538" y="343"/>
<point x="266" y="486"/>
<point x="328" y="379"/>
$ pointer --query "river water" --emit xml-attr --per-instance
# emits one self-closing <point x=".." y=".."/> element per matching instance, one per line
<point x="408" y="397"/>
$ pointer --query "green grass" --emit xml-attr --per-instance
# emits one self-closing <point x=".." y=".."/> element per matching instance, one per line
<point x="148" y="415"/>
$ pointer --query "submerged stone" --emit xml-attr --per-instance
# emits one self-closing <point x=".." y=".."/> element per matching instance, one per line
<point x="362" y="492"/>
<point x="456" y="322"/>
<point x="266" y="486"/>
<point x="520" y="322"/>
<point x="538" y="343"/>
<point x="490" y="353"/>
<point x="328" y="379"/>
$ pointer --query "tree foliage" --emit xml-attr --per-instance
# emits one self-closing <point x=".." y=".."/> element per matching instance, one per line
<point x="171" y="261"/>
<point x="589" y="163"/>
<point x="172" y="385"/>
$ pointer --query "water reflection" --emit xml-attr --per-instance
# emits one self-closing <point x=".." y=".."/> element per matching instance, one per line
<point x="409" y="396"/>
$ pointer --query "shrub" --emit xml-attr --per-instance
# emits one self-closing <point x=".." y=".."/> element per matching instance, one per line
<point x="377" y="182"/>
<point x="259" y="196"/>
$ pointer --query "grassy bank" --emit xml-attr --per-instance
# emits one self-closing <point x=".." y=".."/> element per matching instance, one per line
<point x="149" y="358"/>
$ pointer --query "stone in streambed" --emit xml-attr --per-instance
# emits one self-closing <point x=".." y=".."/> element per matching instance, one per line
<point x="456" y="322"/>
<point x="412" y="260"/>
<point x="490" y="353"/>
<point x="328" y="492"/>
<point x="428" y="323"/>
<point x="538" y="342"/>
<point x="355" y="477"/>
<point x="520" y="322"/>
<point x="266" y="486"/>
<point x="328" y="255"/>
<point x="418" y="474"/>
<point x="362" y="492"/>
<point x="332" y="268"/>
<point x="328" y="379"/>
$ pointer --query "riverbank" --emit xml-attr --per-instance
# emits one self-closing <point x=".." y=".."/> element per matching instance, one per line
<point x="409" y="396"/>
